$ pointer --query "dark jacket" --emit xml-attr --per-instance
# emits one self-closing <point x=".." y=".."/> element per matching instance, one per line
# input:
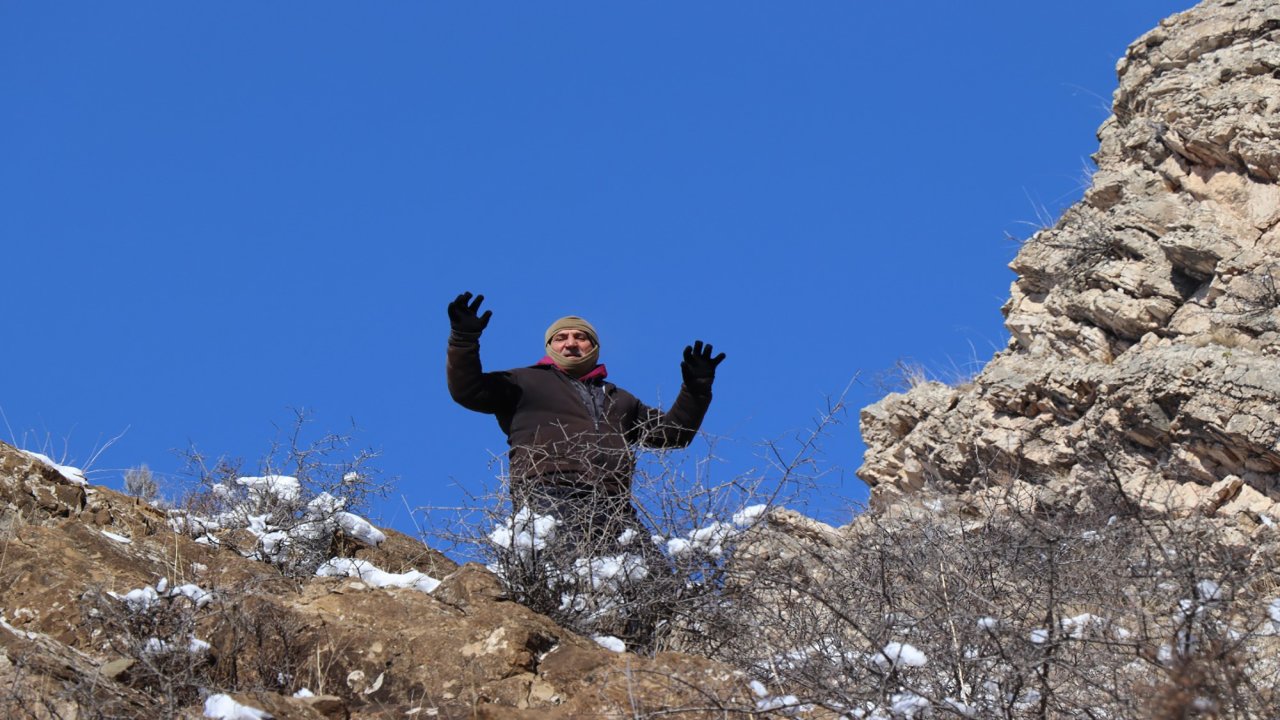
<point x="558" y="426"/>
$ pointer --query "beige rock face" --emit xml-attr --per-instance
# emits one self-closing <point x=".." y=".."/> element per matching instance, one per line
<point x="1145" y="323"/>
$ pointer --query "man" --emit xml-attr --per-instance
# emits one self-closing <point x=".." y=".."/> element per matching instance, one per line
<point x="570" y="431"/>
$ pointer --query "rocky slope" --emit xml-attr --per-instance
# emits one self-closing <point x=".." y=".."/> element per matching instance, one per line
<point x="1145" y="323"/>
<point x="1143" y="356"/>
<point x="79" y="638"/>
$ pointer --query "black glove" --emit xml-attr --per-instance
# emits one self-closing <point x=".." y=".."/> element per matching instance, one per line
<point x="465" y="318"/>
<point x="699" y="368"/>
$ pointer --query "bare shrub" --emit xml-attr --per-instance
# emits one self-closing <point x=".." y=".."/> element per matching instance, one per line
<point x="646" y="560"/>
<point x="140" y="483"/>
<point x="302" y="495"/>
<point x="592" y="562"/>
<point x="155" y="630"/>
<point x="158" y="634"/>
<point x="258" y="645"/>
<point x="917" y="612"/>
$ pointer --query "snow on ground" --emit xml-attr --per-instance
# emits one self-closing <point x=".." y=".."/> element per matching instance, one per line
<point x="139" y="599"/>
<point x="117" y="538"/>
<point x="766" y="702"/>
<point x="1076" y="627"/>
<point x="371" y="575"/>
<point x="909" y="705"/>
<point x="146" y="598"/>
<point x="223" y="707"/>
<point x="72" y="474"/>
<point x="195" y="593"/>
<point x="776" y="703"/>
<point x="156" y="646"/>
<point x="609" y="642"/>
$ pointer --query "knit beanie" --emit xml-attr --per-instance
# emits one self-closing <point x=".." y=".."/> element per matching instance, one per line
<point x="575" y="366"/>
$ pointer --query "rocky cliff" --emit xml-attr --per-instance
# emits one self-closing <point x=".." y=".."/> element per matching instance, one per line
<point x="1145" y="323"/>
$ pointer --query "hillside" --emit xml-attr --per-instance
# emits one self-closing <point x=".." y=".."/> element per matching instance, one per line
<point x="1089" y="527"/>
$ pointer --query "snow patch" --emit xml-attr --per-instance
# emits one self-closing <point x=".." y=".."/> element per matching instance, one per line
<point x="72" y="475"/>
<point x="223" y="707"/>
<point x="749" y="515"/>
<point x="369" y="574"/>
<point x="266" y="487"/>
<point x="1075" y="627"/>
<point x="777" y="703"/>
<point x="909" y="705"/>
<point x="525" y="531"/>
<point x="609" y="642"/>
<point x="360" y="529"/>
<point x="143" y="599"/>
<point x="897" y="654"/>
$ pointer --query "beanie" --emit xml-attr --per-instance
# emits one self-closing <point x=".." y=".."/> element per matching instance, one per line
<point x="572" y="322"/>
<point x="575" y="366"/>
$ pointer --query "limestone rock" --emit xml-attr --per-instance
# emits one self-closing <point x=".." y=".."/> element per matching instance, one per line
<point x="1145" y="322"/>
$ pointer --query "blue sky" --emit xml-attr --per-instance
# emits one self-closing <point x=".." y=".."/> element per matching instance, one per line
<point x="215" y="212"/>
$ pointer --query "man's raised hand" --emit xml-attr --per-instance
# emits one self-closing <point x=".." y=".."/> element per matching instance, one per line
<point x="699" y="368"/>
<point x="465" y="317"/>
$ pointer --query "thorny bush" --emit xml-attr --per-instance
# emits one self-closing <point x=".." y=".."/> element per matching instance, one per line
<point x="299" y="497"/>
<point x="160" y="633"/>
<point x="154" y="628"/>
<point x="922" y="612"/>
<point x="651" y="567"/>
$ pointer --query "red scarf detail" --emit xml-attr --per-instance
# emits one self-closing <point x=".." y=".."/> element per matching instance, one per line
<point x="596" y="373"/>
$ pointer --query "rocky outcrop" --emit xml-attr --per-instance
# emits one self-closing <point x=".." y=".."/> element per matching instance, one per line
<point x="1145" y="324"/>
<point x="104" y="614"/>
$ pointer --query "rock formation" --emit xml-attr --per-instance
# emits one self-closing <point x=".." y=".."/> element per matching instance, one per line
<point x="1145" y="324"/>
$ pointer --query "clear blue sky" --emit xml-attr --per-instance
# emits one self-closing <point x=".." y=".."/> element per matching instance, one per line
<point x="212" y="212"/>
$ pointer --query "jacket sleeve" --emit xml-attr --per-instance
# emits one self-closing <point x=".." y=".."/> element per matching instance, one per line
<point x="675" y="428"/>
<point x="470" y="386"/>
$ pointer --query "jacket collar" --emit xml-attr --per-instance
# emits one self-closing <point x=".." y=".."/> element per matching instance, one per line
<point x="596" y="373"/>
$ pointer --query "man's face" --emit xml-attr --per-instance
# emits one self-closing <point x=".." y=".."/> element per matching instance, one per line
<point x="571" y="343"/>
